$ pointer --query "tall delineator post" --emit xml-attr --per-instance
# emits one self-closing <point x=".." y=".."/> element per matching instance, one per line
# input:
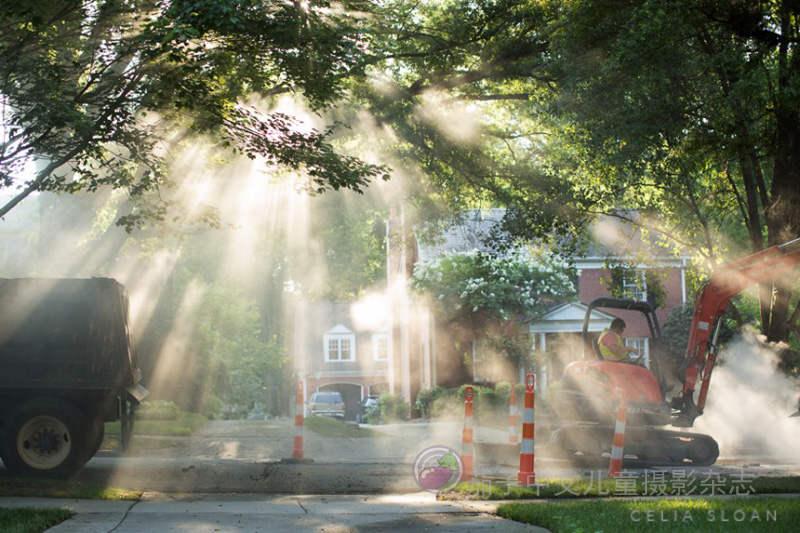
<point x="513" y="416"/>
<point x="466" y="437"/>
<point x="526" y="476"/>
<point x="297" y="449"/>
<point x="618" y="446"/>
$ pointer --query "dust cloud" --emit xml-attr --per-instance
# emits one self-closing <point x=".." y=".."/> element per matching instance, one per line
<point x="749" y="403"/>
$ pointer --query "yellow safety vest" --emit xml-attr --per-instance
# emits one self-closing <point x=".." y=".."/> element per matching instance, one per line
<point x="607" y="354"/>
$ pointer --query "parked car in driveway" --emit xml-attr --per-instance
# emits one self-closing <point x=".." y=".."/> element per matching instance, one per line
<point x="327" y="403"/>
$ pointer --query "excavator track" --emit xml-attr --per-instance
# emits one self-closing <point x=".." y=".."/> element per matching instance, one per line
<point x="590" y="445"/>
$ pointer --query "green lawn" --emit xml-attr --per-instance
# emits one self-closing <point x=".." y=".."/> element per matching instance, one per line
<point x="58" y="488"/>
<point x="749" y="514"/>
<point x="31" y="520"/>
<point x="183" y="425"/>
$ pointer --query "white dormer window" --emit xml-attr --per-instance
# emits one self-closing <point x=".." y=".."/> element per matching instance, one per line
<point x="380" y="346"/>
<point x="339" y="345"/>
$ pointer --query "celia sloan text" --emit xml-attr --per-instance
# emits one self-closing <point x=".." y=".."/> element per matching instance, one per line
<point x="711" y="515"/>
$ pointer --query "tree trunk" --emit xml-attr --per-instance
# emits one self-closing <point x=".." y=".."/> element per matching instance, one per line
<point x="783" y="213"/>
<point x="783" y="216"/>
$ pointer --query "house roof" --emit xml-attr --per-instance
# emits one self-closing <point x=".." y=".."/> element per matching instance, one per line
<point x="569" y="317"/>
<point x="473" y="233"/>
<point x="614" y="237"/>
<point x="609" y="238"/>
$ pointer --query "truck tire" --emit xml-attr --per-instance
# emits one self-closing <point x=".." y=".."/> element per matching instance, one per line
<point x="95" y="433"/>
<point x="44" y="438"/>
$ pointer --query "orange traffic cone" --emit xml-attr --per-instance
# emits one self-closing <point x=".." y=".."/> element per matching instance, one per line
<point x="526" y="476"/>
<point x="297" y="448"/>
<point x="466" y="437"/>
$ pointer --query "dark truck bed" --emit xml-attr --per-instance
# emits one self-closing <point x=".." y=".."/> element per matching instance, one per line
<point x="66" y="359"/>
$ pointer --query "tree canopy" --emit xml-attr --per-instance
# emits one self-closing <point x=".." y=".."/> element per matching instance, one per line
<point x="681" y="117"/>
<point x="493" y="291"/>
<point x="99" y="92"/>
<point x="677" y="117"/>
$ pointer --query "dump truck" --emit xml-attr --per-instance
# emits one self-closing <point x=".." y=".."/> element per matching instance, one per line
<point x="591" y="389"/>
<point x="67" y="366"/>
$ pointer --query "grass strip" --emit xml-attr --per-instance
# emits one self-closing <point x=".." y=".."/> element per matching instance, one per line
<point x="332" y="428"/>
<point x="752" y="515"/>
<point x="54" y="488"/>
<point x="183" y="425"/>
<point x="26" y="520"/>
<point x="664" y="484"/>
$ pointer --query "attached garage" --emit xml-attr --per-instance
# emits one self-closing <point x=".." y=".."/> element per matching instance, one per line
<point x="351" y="394"/>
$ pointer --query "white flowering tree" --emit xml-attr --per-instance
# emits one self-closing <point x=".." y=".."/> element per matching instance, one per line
<point x="491" y="294"/>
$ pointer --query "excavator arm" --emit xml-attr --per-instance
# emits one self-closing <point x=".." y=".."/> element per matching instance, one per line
<point x="726" y="282"/>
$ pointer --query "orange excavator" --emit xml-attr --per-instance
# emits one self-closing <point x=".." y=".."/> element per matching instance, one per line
<point x="591" y="388"/>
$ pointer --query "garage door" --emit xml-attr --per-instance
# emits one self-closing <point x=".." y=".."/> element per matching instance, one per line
<point x="351" y="394"/>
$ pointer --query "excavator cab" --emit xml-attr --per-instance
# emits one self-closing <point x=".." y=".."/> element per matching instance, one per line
<point x="653" y="361"/>
<point x="591" y="388"/>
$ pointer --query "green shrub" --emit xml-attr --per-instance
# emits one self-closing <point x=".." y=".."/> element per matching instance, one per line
<point x="491" y="403"/>
<point x="425" y="399"/>
<point x="444" y="405"/>
<point x="212" y="407"/>
<point x="393" y="408"/>
<point x="157" y="410"/>
<point x="503" y="388"/>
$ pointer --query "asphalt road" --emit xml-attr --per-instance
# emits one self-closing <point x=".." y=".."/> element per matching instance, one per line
<point x="235" y="476"/>
<point x="254" y="457"/>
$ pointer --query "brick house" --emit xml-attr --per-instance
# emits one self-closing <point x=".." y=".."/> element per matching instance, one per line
<point x="559" y="332"/>
<point x="403" y="349"/>
<point x="615" y="257"/>
<point x="344" y="347"/>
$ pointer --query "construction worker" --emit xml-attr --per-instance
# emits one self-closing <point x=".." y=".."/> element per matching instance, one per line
<point x="612" y="345"/>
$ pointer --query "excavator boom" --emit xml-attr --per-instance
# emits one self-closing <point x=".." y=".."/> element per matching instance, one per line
<point x="726" y="282"/>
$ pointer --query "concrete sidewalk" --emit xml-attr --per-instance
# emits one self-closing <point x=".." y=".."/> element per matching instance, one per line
<point x="259" y="513"/>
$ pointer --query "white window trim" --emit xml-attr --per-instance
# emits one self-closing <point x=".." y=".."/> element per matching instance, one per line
<point x="643" y="345"/>
<point x="376" y="340"/>
<point x="477" y="362"/>
<point x="634" y="283"/>
<point x="339" y="333"/>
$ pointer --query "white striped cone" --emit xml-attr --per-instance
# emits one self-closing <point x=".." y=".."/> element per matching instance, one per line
<point x="297" y="449"/>
<point x="617" y="448"/>
<point x="526" y="476"/>
<point x="466" y="437"/>
<point x="513" y="416"/>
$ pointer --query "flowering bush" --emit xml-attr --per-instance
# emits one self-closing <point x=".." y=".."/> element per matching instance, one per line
<point x="492" y="290"/>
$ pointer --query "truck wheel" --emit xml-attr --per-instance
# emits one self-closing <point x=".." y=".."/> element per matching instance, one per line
<point x="95" y="433"/>
<point x="43" y="439"/>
